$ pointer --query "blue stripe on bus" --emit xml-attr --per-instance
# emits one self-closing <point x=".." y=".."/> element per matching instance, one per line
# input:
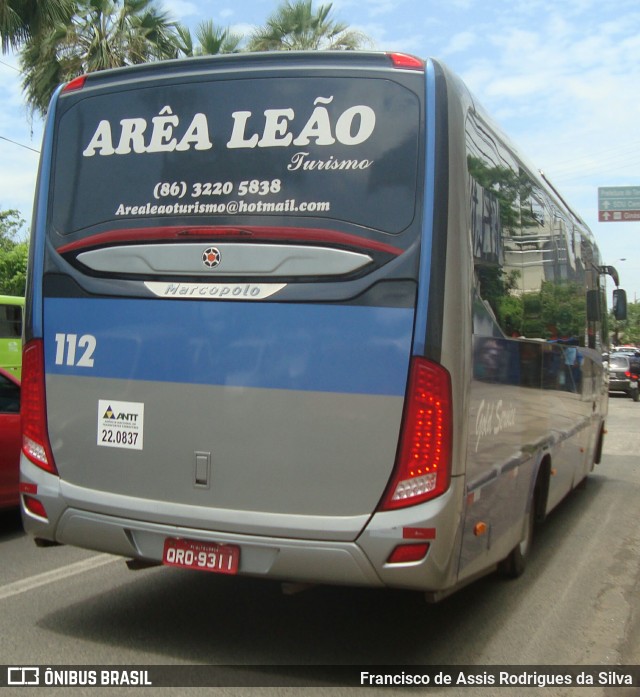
<point x="326" y="348"/>
<point x="422" y="304"/>
<point x="34" y="288"/>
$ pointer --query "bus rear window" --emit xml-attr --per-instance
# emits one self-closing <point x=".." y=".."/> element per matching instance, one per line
<point x="218" y="152"/>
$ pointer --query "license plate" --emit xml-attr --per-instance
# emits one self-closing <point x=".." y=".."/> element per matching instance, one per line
<point x="204" y="556"/>
<point x="633" y="385"/>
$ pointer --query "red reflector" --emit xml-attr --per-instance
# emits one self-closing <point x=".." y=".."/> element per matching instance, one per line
<point x="423" y="466"/>
<point x="76" y="84"/>
<point x="34" y="506"/>
<point x="35" y="439"/>
<point x="404" y="554"/>
<point x="404" y="60"/>
<point x="26" y="488"/>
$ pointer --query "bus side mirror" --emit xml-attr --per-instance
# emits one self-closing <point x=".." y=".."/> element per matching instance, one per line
<point x="619" y="304"/>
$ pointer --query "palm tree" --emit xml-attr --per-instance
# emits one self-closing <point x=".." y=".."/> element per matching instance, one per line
<point x="211" y="40"/>
<point x="295" y="26"/>
<point x="21" y="20"/>
<point x="102" y="34"/>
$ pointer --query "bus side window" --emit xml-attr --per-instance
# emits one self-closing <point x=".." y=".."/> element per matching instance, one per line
<point x="10" y="321"/>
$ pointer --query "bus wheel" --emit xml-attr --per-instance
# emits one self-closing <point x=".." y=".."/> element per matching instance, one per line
<point x="515" y="564"/>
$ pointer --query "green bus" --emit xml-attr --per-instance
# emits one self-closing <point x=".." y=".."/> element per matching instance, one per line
<point x="11" y="311"/>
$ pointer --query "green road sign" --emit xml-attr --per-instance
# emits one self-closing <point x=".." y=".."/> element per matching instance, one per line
<point x="618" y="204"/>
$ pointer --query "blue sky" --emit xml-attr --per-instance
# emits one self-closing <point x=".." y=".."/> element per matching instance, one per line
<point x="562" y="77"/>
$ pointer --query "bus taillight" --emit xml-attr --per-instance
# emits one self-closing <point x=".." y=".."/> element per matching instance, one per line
<point x="423" y="466"/>
<point x="76" y="84"/>
<point x="35" y="438"/>
<point x="406" y="61"/>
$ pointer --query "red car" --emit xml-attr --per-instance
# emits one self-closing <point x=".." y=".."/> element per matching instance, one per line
<point x="10" y="439"/>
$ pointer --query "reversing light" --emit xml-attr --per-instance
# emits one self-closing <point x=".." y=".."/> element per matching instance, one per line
<point x="404" y="60"/>
<point x="423" y="466"/>
<point x="35" y="438"/>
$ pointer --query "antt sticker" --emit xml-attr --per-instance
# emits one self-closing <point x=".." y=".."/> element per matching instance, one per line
<point x="120" y="424"/>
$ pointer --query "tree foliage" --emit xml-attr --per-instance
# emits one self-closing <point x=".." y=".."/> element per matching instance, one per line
<point x="210" y="39"/>
<point x="22" y="20"/>
<point x="295" y="26"/>
<point x="62" y="39"/>
<point x="627" y="331"/>
<point x="14" y="252"/>
<point x="99" y="34"/>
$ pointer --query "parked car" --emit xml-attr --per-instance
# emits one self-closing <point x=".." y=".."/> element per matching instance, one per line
<point x="10" y="439"/>
<point x="622" y="377"/>
<point x="632" y="353"/>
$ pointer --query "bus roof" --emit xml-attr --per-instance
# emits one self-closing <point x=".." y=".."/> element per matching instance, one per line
<point x="265" y="60"/>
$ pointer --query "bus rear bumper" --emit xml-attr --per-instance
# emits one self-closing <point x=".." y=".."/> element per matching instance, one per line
<point x="307" y="561"/>
<point x="360" y="562"/>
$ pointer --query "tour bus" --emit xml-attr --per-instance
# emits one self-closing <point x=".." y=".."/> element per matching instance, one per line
<point x="305" y="316"/>
<point x="11" y="309"/>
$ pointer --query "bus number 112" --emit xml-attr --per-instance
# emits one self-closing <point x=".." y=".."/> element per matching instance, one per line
<point x="74" y="351"/>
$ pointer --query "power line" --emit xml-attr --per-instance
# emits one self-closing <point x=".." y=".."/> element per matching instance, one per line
<point x="13" y="67"/>
<point x="597" y="161"/>
<point x="20" y="144"/>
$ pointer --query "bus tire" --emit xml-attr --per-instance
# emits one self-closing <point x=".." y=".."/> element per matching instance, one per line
<point x="514" y="565"/>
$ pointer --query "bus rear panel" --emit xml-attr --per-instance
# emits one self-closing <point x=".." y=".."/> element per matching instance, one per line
<point x="250" y="332"/>
<point x="230" y="263"/>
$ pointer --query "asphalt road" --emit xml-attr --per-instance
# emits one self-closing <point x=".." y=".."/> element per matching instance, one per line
<point x="576" y="604"/>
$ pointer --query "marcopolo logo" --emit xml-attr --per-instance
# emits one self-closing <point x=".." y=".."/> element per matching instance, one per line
<point x="212" y="291"/>
<point x="211" y="257"/>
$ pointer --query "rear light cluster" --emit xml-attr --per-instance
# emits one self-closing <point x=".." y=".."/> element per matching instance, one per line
<point x="423" y="466"/>
<point x="35" y="438"/>
<point x="76" y="84"/>
<point x="406" y="61"/>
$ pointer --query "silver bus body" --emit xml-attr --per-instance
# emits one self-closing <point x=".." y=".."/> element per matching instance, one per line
<point x="289" y="315"/>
